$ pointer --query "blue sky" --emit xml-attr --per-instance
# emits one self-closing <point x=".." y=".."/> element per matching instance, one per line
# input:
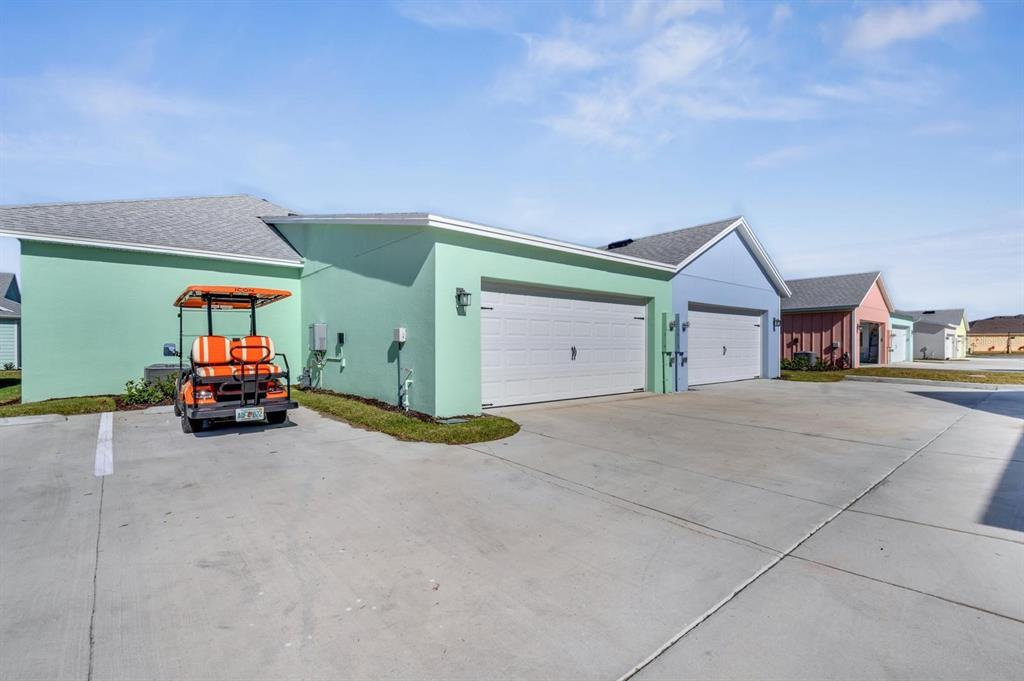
<point x="853" y="136"/>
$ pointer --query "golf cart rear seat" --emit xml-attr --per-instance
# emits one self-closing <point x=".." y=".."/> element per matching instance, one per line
<point x="219" y="357"/>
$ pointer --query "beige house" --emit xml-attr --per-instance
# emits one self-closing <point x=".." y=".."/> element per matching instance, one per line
<point x="996" y="335"/>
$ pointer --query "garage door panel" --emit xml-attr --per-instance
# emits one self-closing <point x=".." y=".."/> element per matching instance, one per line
<point x="535" y="366"/>
<point x="723" y="346"/>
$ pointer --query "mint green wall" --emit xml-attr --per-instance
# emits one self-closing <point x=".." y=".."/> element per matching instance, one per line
<point x="365" y="281"/>
<point x="93" y="318"/>
<point x="465" y="260"/>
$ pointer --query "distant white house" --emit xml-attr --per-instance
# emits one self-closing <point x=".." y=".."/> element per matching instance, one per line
<point x="10" y="320"/>
<point x="939" y="334"/>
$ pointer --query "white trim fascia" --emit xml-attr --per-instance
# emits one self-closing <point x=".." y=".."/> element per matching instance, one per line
<point x="760" y="254"/>
<point x="145" y="248"/>
<point x="476" y="229"/>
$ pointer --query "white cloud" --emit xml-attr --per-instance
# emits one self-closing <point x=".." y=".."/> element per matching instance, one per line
<point x="781" y="13"/>
<point x="675" y="53"/>
<point x="460" y="15"/>
<point x="781" y="157"/>
<point x="940" y="128"/>
<point x="644" y="12"/>
<point x="558" y="54"/>
<point x="878" y="27"/>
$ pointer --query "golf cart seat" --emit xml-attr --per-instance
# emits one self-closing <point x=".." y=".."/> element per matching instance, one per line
<point x="219" y="357"/>
<point x="211" y="351"/>
<point x="237" y="371"/>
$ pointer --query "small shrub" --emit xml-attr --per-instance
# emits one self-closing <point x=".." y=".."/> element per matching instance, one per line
<point x="144" y="392"/>
<point x="8" y="366"/>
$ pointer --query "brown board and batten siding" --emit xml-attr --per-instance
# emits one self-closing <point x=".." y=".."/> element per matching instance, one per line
<point x="816" y="332"/>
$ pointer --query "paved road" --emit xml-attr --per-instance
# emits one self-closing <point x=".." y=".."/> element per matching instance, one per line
<point x="578" y="548"/>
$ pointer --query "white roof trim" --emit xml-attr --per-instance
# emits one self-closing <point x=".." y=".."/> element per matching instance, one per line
<point x="145" y="248"/>
<point x="747" y="234"/>
<point x="462" y="226"/>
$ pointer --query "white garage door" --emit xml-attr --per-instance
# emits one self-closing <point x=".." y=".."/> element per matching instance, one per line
<point x="537" y="346"/>
<point x="723" y="346"/>
<point x="899" y="346"/>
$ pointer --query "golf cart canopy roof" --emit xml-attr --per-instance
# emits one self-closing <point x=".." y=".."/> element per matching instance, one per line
<point x="229" y="297"/>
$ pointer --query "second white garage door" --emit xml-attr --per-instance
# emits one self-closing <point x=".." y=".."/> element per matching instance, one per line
<point x="723" y="346"/>
<point x="537" y="346"/>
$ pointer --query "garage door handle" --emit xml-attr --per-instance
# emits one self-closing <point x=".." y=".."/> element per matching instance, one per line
<point x="574" y="353"/>
<point x="723" y="349"/>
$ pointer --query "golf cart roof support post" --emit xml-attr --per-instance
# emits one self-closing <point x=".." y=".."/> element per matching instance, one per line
<point x="252" y="316"/>
<point x="181" y="336"/>
<point x="209" y="313"/>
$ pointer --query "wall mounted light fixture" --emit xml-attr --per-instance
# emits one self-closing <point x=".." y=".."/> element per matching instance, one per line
<point x="776" y="322"/>
<point x="463" y="298"/>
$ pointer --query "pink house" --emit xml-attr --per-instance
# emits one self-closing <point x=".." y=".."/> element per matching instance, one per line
<point x="843" y="319"/>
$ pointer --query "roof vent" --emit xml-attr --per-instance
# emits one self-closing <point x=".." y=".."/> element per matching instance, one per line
<point x="619" y="244"/>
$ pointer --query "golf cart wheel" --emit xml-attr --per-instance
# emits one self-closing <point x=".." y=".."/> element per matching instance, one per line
<point x="177" y="408"/>
<point x="277" y="417"/>
<point x="191" y="425"/>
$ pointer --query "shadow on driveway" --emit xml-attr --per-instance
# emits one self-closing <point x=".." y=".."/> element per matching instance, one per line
<point x="1005" y="507"/>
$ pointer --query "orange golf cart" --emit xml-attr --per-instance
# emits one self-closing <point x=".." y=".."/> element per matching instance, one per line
<point x="229" y="378"/>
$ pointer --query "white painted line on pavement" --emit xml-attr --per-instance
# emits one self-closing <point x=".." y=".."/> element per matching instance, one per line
<point x="105" y="446"/>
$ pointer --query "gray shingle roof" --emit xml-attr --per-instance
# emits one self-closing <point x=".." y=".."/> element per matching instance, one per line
<point x="211" y="225"/>
<point x="676" y="246"/>
<point x="9" y="308"/>
<point x="942" y="317"/>
<point x="821" y="293"/>
<point x="999" y="324"/>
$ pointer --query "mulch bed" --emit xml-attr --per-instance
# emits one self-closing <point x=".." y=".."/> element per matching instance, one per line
<point x="386" y="406"/>
<point x="119" y="401"/>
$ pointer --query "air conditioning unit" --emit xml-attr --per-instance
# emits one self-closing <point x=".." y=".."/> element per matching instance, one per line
<point x="811" y="357"/>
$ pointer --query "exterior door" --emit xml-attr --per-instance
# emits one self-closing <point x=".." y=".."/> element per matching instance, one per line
<point x="899" y="346"/>
<point x="723" y="346"/>
<point x="538" y="345"/>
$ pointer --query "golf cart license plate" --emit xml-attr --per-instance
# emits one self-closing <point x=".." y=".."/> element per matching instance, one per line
<point x="249" y="414"/>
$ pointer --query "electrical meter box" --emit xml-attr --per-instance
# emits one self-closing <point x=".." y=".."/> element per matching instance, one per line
<point x="318" y="337"/>
<point x="400" y="334"/>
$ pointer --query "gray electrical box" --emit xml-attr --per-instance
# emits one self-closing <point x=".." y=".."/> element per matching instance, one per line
<point x="318" y="337"/>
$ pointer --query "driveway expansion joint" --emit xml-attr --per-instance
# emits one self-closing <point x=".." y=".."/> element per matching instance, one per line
<point x="95" y="579"/>
<point x="775" y="561"/>
<point x="686" y="522"/>
<point x="906" y="588"/>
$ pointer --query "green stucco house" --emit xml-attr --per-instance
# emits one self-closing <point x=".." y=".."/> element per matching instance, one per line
<point x="99" y="280"/>
<point x="444" y="316"/>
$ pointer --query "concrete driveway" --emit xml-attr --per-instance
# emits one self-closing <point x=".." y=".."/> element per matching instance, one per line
<point x="609" y="533"/>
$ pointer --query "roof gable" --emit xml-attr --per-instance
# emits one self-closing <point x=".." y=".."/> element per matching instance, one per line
<point x="220" y="227"/>
<point x="836" y="292"/>
<point x="681" y="247"/>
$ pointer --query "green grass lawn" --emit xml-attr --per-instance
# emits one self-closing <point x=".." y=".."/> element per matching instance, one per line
<point x="959" y="376"/>
<point x="989" y="377"/>
<point x="67" y="406"/>
<point x="403" y="427"/>
<point x="10" y="386"/>
<point x="11" y="405"/>
<point x="813" y="376"/>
